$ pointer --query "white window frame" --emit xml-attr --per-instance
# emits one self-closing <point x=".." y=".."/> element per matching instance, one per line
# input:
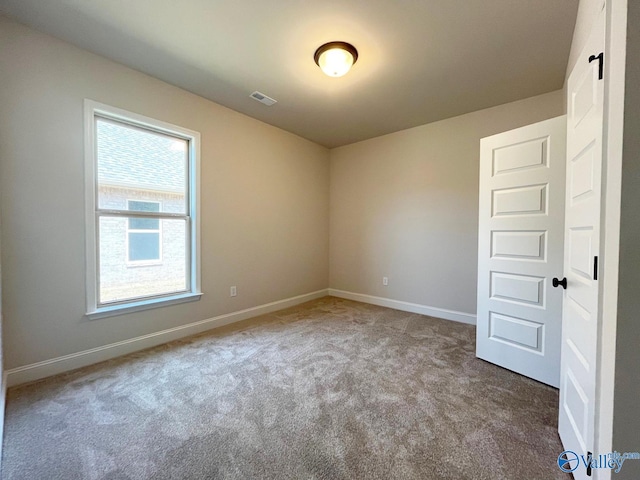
<point x="92" y="110"/>
<point x="144" y="263"/>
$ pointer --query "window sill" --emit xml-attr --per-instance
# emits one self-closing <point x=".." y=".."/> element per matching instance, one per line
<point x="136" y="306"/>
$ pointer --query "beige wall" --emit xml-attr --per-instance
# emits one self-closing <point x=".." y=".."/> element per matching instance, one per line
<point x="405" y="205"/>
<point x="264" y="199"/>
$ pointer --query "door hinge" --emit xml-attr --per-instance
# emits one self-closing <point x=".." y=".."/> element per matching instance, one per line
<point x="595" y="267"/>
<point x="600" y="58"/>
<point x="589" y="460"/>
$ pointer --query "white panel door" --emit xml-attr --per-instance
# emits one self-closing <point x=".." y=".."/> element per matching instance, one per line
<point x="582" y="238"/>
<point x="521" y="228"/>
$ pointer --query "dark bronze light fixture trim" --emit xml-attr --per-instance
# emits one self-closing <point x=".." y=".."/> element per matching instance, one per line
<point x="328" y="46"/>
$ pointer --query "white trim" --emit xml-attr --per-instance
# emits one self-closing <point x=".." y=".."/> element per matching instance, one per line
<point x="46" y="368"/>
<point x="194" y="211"/>
<point x="140" y="303"/>
<point x="407" y="306"/>
<point x="3" y="403"/>
<point x="614" y="94"/>
<point x="93" y="109"/>
<point x="91" y="261"/>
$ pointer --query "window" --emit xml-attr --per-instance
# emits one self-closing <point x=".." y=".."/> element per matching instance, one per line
<point x="142" y="205"/>
<point x="144" y="246"/>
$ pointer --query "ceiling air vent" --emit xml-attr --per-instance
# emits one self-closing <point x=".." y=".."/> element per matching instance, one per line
<point x="262" y="98"/>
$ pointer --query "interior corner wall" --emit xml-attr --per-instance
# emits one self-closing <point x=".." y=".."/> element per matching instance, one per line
<point x="626" y="421"/>
<point x="264" y="196"/>
<point x="405" y="206"/>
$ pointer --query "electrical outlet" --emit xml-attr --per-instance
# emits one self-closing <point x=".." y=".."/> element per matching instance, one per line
<point x="385" y="281"/>
<point x="233" y="291"/>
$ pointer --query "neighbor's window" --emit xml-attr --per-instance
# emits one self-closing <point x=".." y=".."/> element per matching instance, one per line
<point x="141" y="206"/>
<point x="144" y="244"/>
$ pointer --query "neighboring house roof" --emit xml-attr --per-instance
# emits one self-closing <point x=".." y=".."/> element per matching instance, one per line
<point x="135" y="158"/>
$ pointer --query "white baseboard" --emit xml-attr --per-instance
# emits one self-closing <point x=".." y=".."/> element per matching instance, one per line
<point x="54" y="366"/>
<point x="3" y="390"/>
<point x="3" y="403"/>
<point x="406" y="306"/>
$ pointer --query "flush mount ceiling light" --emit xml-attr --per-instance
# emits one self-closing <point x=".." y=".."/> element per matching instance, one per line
<point x="336" y="58"/>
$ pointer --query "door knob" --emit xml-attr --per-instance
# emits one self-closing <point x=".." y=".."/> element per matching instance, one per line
<point x="562" y="282"/>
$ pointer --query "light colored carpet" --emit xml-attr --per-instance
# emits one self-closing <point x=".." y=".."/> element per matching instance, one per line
<point x="331" y="389"/>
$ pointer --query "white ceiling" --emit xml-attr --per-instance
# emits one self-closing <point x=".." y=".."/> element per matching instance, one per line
<point x="420" y="60"/>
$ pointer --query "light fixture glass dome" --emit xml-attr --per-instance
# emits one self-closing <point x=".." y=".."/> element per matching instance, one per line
<point x="335" y="59"/>
<point x="335" y="62"/>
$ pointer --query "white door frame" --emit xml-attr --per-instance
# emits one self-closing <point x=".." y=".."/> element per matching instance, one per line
<point x="615" y="61"/>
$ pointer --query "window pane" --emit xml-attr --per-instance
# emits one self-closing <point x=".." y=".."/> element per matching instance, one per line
<point x="161" y="257"/>
<point x="144" y="246"/>
<point x="144" y="223"/>
<point x="138" y="168"/>
<point x="139" y="206"/>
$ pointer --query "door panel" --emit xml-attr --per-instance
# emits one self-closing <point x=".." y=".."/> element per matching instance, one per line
<point x="581" y="175"/>
<point x="584" y="97"/>
<point x="522" y="181"/>
<point x="521" y="289"/>
<point x="520" y="201"/>
<point x="576" y="422"/>
<point x="528" y="154"/>
<point x="577" y="412"/>
<point x="517" y="331"/>
<point x="580" y="251"/>
<point x="519" y="245"/>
